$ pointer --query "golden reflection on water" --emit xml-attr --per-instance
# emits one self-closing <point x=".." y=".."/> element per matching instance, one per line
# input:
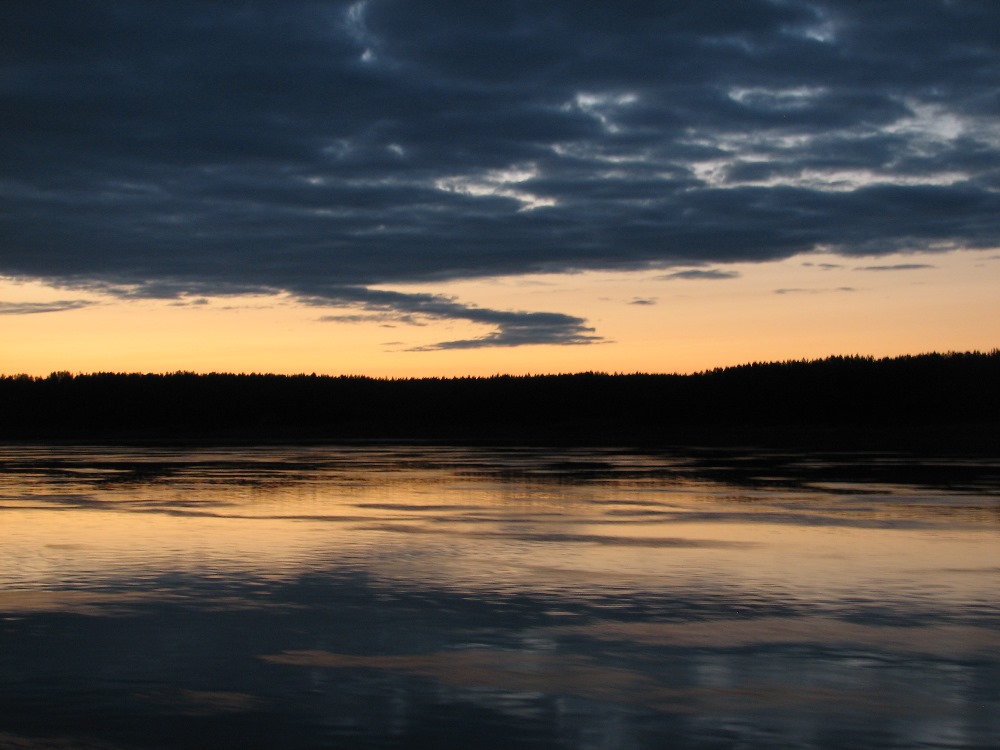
<point x="500" y="579"/>
<point x="425" y="519"/>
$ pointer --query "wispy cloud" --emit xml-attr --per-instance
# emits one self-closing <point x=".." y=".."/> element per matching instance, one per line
<point x="895" y="267"/>
<point x="709" y="274"/>
<point x="386" y="319"/>
<point x="800" y="290"/>
<point x="33" y="308"/>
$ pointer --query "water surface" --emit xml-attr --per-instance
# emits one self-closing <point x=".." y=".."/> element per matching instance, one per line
<point x="429" y="597"/>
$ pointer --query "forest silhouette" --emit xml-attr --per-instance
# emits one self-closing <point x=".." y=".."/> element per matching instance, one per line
<point x="855" y="401"/>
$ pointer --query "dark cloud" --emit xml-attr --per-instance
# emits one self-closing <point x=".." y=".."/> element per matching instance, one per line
<point x="176" y="149"/>
<point x="642" y="301"/>
<point x="895" y="267"/>
<point x="527" y="328"/>
<point x="511" y="328"/>
<point x="701" y="274"/>
<point x="31" y="308"/>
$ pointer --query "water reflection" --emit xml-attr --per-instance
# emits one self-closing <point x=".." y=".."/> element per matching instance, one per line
<point x="402" y="596"/>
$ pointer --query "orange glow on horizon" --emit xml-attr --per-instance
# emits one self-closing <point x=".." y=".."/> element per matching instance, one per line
<point x="805" y="307"/>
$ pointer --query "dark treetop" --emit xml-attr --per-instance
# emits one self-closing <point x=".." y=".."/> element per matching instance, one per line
<point x="855" y="401"/>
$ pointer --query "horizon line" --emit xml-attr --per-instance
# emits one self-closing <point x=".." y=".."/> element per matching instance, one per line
<point x="57" y="374"/>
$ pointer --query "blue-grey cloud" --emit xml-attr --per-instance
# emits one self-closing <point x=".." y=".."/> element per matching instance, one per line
<point x="700" y="274"/>
<point x="554" y="329"/>
<point x="802" y="290"/>
<point x="896" y="267"/>
<point x="177" y="149"/>
<point x="32" y="308"/>
<point x="510" y="328"/>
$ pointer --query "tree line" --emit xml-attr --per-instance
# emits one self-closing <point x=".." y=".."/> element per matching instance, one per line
<point x="855" y="399"/>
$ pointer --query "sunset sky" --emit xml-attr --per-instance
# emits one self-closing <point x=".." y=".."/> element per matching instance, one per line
<point x="412" y="188"/>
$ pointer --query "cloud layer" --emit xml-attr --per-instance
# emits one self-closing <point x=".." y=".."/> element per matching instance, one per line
<point x="321" y="148"/>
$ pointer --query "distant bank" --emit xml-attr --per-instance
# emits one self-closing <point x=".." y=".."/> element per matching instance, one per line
<point x="930" y="400"/>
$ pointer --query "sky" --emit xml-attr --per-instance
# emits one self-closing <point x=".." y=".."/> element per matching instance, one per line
<point x="403" y="188"/>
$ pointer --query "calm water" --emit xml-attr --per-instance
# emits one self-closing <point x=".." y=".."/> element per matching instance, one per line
<point x="429" y="597"/>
